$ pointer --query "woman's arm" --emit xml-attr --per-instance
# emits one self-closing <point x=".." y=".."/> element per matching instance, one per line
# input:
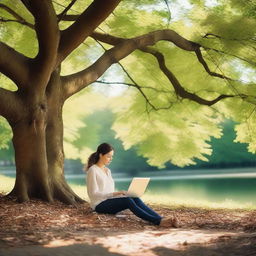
<point x="118" y="193"/>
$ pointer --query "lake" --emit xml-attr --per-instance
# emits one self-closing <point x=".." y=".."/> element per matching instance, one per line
<point x="223" y="186"/>
<point x="235" y="188"/>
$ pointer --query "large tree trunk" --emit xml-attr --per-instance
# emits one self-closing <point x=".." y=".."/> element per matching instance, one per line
<point x="35" y="110"/>
<point x="38" y="145"/>
<point x="30" y="155"/>
<point x="55" y="158"/>
<point x="54" y="142"/>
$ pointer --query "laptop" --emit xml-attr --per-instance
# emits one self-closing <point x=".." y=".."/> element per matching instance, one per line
<point x="137" y="187"/>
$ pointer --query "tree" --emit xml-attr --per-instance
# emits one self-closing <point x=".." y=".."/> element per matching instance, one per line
<point x="55" y="32"/>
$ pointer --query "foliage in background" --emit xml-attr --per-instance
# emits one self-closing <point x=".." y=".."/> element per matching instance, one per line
<point x="96" y="127"/>
<point x="180" y="131"/>
<point x="5" y="134"/>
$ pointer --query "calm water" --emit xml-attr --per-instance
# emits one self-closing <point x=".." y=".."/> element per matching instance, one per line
<point x="214" y="187"/>
<point x="235" y="185"/>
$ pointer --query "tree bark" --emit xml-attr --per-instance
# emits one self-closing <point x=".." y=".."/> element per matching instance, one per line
<point x="30" y="153"/>
<point x="55" y="158"/>
<point x="54" y="142"/>
<point x="35" y="114"/>
<point x="38" y="144"/>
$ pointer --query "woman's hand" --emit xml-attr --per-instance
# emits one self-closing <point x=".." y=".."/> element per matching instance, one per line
<point x="120" y="193"/>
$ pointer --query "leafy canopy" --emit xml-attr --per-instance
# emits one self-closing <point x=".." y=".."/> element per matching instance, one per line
<point x="163" y="126"/>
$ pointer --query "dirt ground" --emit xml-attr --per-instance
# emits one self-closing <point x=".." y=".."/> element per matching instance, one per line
<point x="38" y="229"/>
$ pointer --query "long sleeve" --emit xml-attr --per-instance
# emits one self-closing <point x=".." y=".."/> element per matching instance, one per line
<point x="93" y="187"/>
<point x="99" y="185"/>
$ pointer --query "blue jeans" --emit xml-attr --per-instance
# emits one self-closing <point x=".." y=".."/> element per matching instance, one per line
<point x="115" y="205"/>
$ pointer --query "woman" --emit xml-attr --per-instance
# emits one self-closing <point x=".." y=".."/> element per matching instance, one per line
<point x="104" y="199"/>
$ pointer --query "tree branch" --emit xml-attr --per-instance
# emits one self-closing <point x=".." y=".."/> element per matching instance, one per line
<point x="110" y="83"/>
<point x="18" y="17"/>
<point x="87" y="22"/>
<point x="69" y="17"/>
<point x="169" y="11"/>
<point x="47" y="31"/>
<point x="11" y="11"/>
<point x="239" y="40"/>
<point x="22" y="22"/>
<point x="8" y="104"/>
<point x="116" y="40"/>
<point x="64" y="12"/>
<point x="213" y="36"/>
<point x="139" y="88"/>
<point x="134" y="84"/>
<point x="229" y="54"/>
<point x="109" y="39"/>
<point x="155" y="36"/>
<point x="180" y="91"/>
<point x="75" y="82"/>
<point x="207" y="69"/>
<point x="14" y="65"/>
<point x="131" y="85"/>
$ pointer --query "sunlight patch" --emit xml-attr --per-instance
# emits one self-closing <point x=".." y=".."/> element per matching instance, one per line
<point x="140" y="242"/>
<point x="59" y="243"/>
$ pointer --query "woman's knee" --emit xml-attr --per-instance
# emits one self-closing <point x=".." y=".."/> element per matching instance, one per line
<point x="128" y="201"/>
<point x="137" y="199"/>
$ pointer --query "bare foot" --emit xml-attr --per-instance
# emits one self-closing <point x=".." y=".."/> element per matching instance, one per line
<point x="175" y="222"/>
<point x="169" y="222"/>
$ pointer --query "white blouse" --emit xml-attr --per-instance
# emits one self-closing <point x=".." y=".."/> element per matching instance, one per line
<point x="100" y="185"/>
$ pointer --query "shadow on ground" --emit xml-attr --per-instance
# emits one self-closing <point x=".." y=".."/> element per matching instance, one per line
<point x="239" y="246"/>
<point x="37" y="228"/>
<point x="228" y="245"/>
<point x="74" y="250"/>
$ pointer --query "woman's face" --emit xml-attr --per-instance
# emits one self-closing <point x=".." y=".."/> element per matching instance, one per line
<point x="107" y="158"/>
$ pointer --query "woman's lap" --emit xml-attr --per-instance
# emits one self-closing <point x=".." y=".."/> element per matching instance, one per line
<point x="136" y="205"/>
<point x="112" y="205"/>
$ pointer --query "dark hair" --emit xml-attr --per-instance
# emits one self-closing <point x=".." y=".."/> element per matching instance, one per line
<point x="103" y="149"/>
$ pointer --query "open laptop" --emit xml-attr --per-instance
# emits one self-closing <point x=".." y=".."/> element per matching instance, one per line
<point x="137" y="187"/>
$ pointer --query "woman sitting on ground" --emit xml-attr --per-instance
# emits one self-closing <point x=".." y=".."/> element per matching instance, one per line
<point x="104" y="199"/>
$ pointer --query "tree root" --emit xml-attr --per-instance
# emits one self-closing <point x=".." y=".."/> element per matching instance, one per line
<point x="76" y="197"/>
<point x="59" y="190"/>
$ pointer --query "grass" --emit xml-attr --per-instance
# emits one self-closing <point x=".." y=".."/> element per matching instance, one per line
<point x="7" y="183"/>
<point x="176" y="202"/>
